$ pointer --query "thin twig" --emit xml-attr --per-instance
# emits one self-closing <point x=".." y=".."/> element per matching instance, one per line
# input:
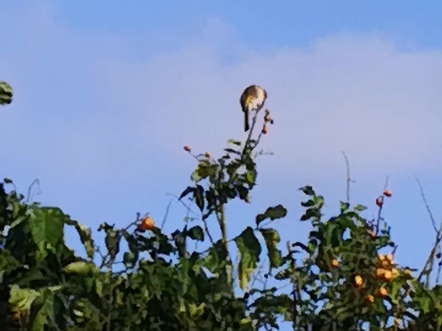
<point x="379" y="217"/>
<point x="427" y="207"/>
<point x="187" y="207"/>
<point x="166" y="214"/>
<point x="35" y="182"/>
<point x="428" y="267"/>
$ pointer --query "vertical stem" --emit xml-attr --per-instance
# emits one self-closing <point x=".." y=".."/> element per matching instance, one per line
<point x="223" y="227"/>
<point x="295" y="290"/>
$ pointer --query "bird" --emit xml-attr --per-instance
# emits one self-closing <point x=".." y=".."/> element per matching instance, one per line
<point x="252" y="99"/>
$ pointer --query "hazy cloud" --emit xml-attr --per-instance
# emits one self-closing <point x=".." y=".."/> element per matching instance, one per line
<point x="86" y="108"/>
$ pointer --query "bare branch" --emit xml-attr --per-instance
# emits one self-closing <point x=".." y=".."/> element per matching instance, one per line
<point x="428" y="267"/>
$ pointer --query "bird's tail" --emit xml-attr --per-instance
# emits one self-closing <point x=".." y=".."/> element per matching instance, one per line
<point x="246" y="120"/>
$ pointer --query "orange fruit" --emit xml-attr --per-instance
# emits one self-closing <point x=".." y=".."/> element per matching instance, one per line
<point x="358" y="281"/>
<point x="369" y="298"/>
<point x="334" y="263"/>
<point x="265" y="129"/>
<point x="388" y="193"/>
<point x="382" y="292"/>
<point x="380" y="273"/>
<point x="388" y="275"/>
<point x="187" y="148"/>
<point x="147" y="223"/>
<point x="395" y="272"/>
<point x="267" y="118"/>
<point x="390" y="258"/>
<point x="207" y="154"/>
<point x="379" y="202"/>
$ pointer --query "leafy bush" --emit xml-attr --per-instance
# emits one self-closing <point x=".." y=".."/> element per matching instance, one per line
<point x="335" y="280"/>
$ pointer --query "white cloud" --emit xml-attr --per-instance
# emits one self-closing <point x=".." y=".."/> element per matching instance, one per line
<point x="87" y="109"/>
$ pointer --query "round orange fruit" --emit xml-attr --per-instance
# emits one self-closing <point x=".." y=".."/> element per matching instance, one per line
<point x="147" y="223"/>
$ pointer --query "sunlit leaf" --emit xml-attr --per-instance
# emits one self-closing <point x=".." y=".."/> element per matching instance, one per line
<point x="249" y="250"/>
<point x="21" y="298"/>
<point x="6" y="93"/>
<point x="272" y="239"/>
<point x="80" y="268"/>
<point x="45" y="314"/>
<point x="46" y="225"/>
<point x="85" y="234"/>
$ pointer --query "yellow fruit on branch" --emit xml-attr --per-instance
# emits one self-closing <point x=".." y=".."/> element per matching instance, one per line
<point x="359" y="281"/>
<point x="369" y="298"/>
<point x="382" y="292"/>
<point x="388" y="275"/>
<point x="390" y="258"/>
<point x="334" y="263"/>
<point x="380" y="273"/>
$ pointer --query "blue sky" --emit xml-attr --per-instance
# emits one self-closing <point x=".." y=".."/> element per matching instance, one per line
<point x="107" y="95"/>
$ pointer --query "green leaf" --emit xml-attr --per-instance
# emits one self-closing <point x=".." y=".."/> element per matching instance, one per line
<point x="7" y="261"/>
<point x="198" y="195"/>
<point x="249" y="250"/>
<point x="359" y="208"/>
<point x="45" y="314"/>
<point x="196" y="311"/>
<point x="308" y="190"/>
<point x="272" y="239"/>
<point x="272" y="213"/>
<point x="80" y="268"/>
<point x="203" y="170"/>
<point x="308" y="203"/>
<point x="46" y="225"/>
<point x="217" y="257"/>
<point x="344" y="206"/>
<point x="233" y="151"/>
<point x="21" y="299"/>
<point x="129" y="259"/>
<point x="6" y="93"/>
<point x="99" y="287"/>
<point x="112" y="240"/>
<point x="234" y="142"/>
<point x="85" y="234"/>
<point x="186" y="192"/>
<point x="180" y="241"/>
<point x="311" y="213"/>
<point x="243" y="192"/>
<point x="196" y="233"/>
<point x="251" y="177"/>
<point x="395" y="288"/>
